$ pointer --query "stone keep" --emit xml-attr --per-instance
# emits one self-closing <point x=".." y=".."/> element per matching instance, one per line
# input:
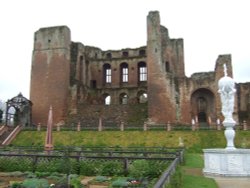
<point x="143" y="85"/>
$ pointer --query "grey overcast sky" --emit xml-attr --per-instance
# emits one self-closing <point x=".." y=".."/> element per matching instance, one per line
<point x="209" y="28"/>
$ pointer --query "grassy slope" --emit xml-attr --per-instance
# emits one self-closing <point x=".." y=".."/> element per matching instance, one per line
<point x="193" y="141"/>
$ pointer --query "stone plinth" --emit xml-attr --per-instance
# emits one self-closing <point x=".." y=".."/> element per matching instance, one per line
<point x="224" y="162"/>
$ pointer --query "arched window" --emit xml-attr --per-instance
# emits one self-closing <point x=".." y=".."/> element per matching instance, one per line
<point x="142" y="68"/>
<point x="107" y="99"/>
<point x="123" y="98"/>
<point x="142" y="97"/>
<point x="107" y="73"/>
<point x="124" y="72"/>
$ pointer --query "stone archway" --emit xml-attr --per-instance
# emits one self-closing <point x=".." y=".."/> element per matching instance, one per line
<point x="21" y="113"/>
<point x="203" y="107"/>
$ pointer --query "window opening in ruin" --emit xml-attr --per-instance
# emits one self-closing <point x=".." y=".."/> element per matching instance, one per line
<point x="167" y="68"/>
<point x="124" y="72"/>
<point x="125" y="54"/>
<point x="93" y="84"/>
<point x="142" y="52"/>
<point x="10" y="119"/>
<point x="107" y="100"/>
<point x="86" y="74"/>
<point x="143" y="97"/>
<point x="81" y="68"/>
<point x="142" y="71"/>
<point x="107" y="73"/>
<point x="109" y="55"/>
<point x="123" y="98"/>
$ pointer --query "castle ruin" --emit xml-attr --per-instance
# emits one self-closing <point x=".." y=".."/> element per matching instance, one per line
<point x="145" y="84"/>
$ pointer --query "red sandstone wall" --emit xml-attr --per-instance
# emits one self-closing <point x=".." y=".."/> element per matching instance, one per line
<point x="50" y="74"/>
<point x="161" y="108"/>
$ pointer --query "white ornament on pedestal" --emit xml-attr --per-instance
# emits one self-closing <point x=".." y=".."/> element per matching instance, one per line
<point x="229" y="161"/>
<point x="227" y="91"/>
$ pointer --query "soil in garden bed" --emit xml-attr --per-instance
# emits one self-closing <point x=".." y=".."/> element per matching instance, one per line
<point x="6" y="180"/>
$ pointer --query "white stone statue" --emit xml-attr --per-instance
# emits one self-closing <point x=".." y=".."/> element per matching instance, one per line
<point x="227" y="90"/>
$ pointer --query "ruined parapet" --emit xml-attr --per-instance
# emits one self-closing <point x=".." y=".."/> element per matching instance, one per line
<point x="219" y="70"/>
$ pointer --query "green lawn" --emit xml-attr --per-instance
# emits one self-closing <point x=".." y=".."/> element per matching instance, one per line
<point x="189" y="175"/>
<point x="194" y="142"/>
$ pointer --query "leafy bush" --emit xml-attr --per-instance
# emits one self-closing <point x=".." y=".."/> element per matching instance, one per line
<point x="139" y="168"/>
<point x="75" y="182"/>
<point x="88" y="168"/>
<point x="111" y="168"/>
<point x="10" y="164"/>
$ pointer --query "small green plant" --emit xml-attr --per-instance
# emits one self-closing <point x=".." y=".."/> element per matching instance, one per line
<point x="16" y="185"/>
<point x="120" y="182"/>
<point x="75" y="182"/>
<point x="35" y="183"/>
<point x="139" y="168"/>
<point x="101" y="179"/>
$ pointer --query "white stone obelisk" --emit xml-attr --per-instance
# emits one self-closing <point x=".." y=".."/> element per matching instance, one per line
<point x="227" y="91"/>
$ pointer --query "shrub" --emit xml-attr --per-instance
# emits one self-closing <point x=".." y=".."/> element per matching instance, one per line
<point x="88" y="168"/>
<point x="111" y="168"/>
<point x="139" y="168"/>
<point x="10" y="164"/>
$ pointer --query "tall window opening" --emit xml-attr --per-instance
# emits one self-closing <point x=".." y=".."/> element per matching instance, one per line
<point x="167" y="66"/>
<point x="86" y="76"/>
<point x="142" y="52"/>
<point x="124" y="72"/>
<point x="123" y="98"/>
<point x="93" y="84"/>
<point x="107" y="99"/>
<point x="81" y="69"/>
<point x="142" y="97"/>
<point x="142" y="68"/>
<point x="107" y="73"/>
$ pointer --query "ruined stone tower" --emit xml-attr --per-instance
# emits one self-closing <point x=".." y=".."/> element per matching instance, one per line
<point x="50" y="73"/>
<point x="134" y="86"/>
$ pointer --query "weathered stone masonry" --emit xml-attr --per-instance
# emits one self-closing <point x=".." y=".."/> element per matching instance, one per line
<point x="146" y="84"/>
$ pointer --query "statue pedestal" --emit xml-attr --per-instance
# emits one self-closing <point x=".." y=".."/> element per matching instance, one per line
<point x="227" y="162"/>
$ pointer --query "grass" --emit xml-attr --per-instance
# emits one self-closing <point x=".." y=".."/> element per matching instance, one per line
<point x="189" y="181"/>
<point x="192" y="173"/>
<point x="194" y="142"/>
